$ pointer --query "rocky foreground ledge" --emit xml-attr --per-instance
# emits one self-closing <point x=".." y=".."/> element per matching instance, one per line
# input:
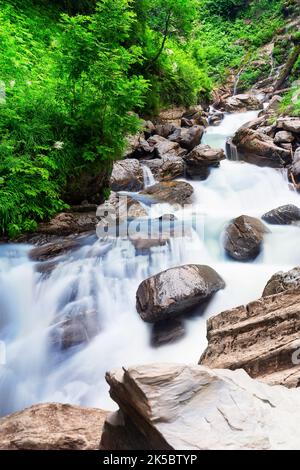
<point x="169" y="406"/>
<point x="52" y="426"/>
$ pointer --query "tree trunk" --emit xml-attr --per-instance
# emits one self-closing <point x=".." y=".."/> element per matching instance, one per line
<point x="288" y="67"/>
<point x="166" y="32"/>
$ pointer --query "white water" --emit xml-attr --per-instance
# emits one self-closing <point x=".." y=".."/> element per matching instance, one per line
<point x="149" y="179"/>
<point x="105" y="277"/>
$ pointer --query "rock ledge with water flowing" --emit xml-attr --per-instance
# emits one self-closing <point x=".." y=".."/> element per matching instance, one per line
<point x="262" y="337"/>
<point x="201" y="159"/>
<point x="176" y="291"/>
<point x="180" y="407"/>
<point x="127" y="175"/>
<point x="173" y="192"/>
<point x="52" y="426"/>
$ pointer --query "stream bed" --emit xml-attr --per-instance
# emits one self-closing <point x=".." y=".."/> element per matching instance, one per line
<point x="104" y="276"/>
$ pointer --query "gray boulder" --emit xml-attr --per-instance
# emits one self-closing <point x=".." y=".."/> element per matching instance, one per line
<point x="284" y="215"/>
<point x="243" y="238"/>
<point x="127" y="175"/>
<point x="176" y="291"/>
<point x="283" y="281"/>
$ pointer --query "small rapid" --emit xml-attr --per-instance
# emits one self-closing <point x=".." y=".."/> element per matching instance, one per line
<point x="103" y="276"/>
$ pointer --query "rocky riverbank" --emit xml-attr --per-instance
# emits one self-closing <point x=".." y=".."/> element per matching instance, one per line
<point x="211" y="408"/>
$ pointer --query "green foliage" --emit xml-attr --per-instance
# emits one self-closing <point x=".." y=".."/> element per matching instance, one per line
<point x="75" y="73"/>
<point x="225" y="8"/>
<point x="68" y="97"/>
<point x="291" y="101"/>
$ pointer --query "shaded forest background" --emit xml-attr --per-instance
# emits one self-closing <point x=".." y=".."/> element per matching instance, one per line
<point x="75" y="76"/>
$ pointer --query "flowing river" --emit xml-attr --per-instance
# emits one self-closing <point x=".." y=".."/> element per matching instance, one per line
<point x="104" y="277"/>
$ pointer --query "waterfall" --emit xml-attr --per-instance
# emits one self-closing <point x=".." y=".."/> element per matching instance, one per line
<point x="98" y="283"/>
<point x="149" y="179"/>
<point x="237" y="81"/>
<point x="231" y="151"/>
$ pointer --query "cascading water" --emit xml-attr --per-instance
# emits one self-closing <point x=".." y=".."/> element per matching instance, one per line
<point x="103" y="277"/>
<point x="149" y="179"/>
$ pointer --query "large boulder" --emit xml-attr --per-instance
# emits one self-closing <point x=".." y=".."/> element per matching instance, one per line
<point x="187" y="137"/>
<point x="289" y="124"/>
<point x="52" y="426"/>
<point x="261" y="337"/>
<point x="166" y="168"/>
<point x="284" y="215"/>
<point x="180" y="407"/>
<point x="243" y="238"/>
<point x="164" y="130"/>
<point x="52" y="250"/>
<point x="255" y="146"/>
<point x="241" y="103"/>
<point x="127" y="175"/>
<point x="173" y="192"/>
<point x="200" y="159"/>
<point x="283" y="137"/>
<point x="282" y="281"/>
<point x="162" y="147"/>
<point x="68" y="223"/>
<point x="176" y="291"/>
<point x="118" y="209"/>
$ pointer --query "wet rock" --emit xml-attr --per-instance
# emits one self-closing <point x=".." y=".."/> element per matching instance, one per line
<point x="167" y="332"/>
<point x="171" y="115"/>
<point x="262" y="338"/>
<point x="188" y="137"/>
<point x="274" y="105"/>
<point x="284" y="137"/>
<point x="166" y="168"/>
<point x="143" y="243"/>
<point x="162" y="147"/>
<point x="283" y="281"/>
<point x="243" y="238"/>
<point x="241" y="103"/>
<point x="67" y="223"/>
<point x="52" y="250"/>
<point x="173" y="192"/>
<point x="75" y="329"/>
<point x="295" y="167"/>
<point x="284" y="215"/>
<point x="45" y="268"/>
<point x="200" y="159"/>
<point x="256" y="147"/>
<point x="127" y="175"/>
<point x="137" y="145"/>
<point x="288" y="147"/>
<point x="194" y="116"/>
<point x="118" y="209"/>
<point x="52" y="426"/>
<point x="164" y="130"/>
<point x="180" y="407"/>
<point x="176" y="291"/>
<point x="289" y="124"/>
<point x="216" y="118"/>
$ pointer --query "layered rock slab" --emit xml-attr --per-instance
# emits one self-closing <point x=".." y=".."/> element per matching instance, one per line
<point x="263" y="338"/>
<point x="180" y="407"/>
